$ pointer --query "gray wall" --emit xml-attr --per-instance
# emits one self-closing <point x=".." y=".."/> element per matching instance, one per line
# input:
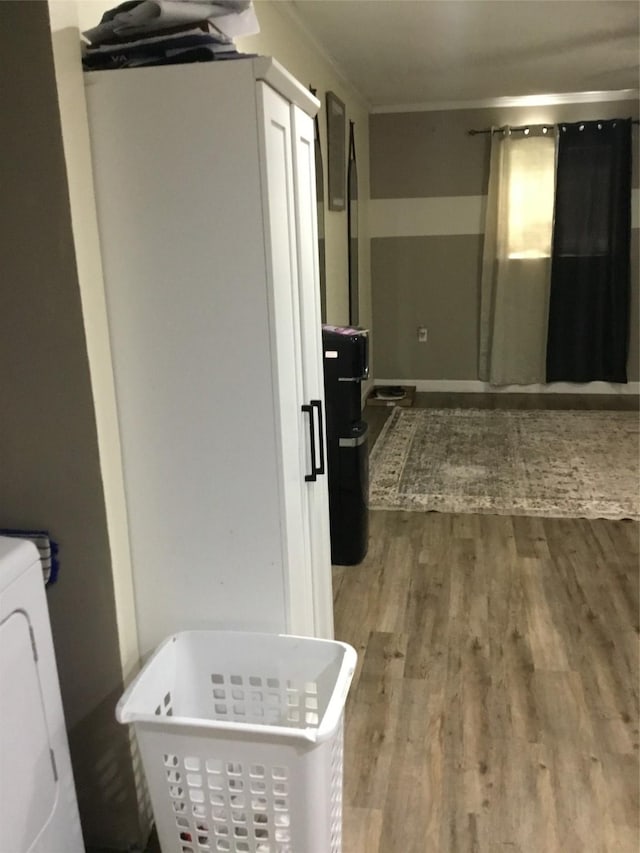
<point x="433" y="279"/>
<point x="49" y="467"/>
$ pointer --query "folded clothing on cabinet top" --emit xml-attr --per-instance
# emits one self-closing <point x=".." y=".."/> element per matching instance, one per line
<point x="159" y="32"/>
<point x="232" y="18"/>
<point x="196" y="46"/>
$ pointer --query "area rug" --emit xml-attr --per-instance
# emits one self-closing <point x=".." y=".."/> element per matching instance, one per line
<point x="571" y="464"/>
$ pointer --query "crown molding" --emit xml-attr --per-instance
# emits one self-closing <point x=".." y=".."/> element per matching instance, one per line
<point x="516" y="101"/>
<point x="287" y="8"/>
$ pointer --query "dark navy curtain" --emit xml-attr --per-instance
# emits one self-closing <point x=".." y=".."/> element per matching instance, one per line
<point x="590" y="268"/>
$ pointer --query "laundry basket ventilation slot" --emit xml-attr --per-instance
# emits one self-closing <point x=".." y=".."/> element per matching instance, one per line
<point x="165" y="708"/>
<point x="268" y="701"/>
<point x="228" y="807"/>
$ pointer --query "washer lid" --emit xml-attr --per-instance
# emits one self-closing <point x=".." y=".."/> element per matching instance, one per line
<point x="16" y="555"/>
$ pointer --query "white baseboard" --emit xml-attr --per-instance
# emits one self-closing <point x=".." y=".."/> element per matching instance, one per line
<point x="365" y="388"/>
<point x="476" y="386"/>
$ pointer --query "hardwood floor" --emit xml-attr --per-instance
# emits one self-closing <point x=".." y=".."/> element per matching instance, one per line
<point x="495" y="703"/>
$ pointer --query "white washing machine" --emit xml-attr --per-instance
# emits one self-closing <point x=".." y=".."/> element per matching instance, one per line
<point x="38" y="807"/>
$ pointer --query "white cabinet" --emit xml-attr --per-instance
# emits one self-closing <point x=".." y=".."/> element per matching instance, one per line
<point x="205" y="193"/>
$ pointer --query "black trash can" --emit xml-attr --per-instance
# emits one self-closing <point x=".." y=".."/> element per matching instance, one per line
<point x="345" y="351"/>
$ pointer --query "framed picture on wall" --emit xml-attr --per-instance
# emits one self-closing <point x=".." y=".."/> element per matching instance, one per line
<point x="352" y="230"/>
<point x="336" y="126"/>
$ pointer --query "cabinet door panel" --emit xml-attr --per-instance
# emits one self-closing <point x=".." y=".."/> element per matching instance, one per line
<point x="283" y="284"/>
<point x="316" y="495"/>
<point x="179" y="200"/>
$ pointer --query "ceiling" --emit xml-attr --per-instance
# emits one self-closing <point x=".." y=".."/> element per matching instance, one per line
<point x="403" y="52"/>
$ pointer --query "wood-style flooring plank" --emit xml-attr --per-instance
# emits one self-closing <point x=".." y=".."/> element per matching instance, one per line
<point x="362" y="829"/>
<point x="412" y="813"/>
<point x="371" y="740"/>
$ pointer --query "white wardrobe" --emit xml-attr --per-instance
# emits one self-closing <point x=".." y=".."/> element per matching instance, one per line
<point x="205" y="191"/>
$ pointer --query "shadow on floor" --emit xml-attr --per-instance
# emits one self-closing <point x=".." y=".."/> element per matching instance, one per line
<point x="152" y="847"/>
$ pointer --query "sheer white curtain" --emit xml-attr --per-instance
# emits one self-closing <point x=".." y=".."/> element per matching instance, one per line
<point x="516" y="263"/>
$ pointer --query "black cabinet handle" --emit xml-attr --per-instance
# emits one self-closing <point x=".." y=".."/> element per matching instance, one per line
<point x="317" y="404"/>
<point x="312" y="440"/>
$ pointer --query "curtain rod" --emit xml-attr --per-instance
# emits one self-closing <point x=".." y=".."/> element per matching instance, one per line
<point x="527" y="127"/>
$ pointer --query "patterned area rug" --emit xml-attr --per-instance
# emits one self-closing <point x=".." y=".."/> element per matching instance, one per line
<point x="575" y="464"/>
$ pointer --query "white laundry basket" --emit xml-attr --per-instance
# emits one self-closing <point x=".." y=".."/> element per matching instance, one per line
<point x="241" y="741"/>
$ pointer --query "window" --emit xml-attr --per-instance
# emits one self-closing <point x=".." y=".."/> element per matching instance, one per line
<point x="529" y="197"/>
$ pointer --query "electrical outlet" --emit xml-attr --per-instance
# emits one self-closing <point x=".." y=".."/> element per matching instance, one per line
<point x="422" y="334"/>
